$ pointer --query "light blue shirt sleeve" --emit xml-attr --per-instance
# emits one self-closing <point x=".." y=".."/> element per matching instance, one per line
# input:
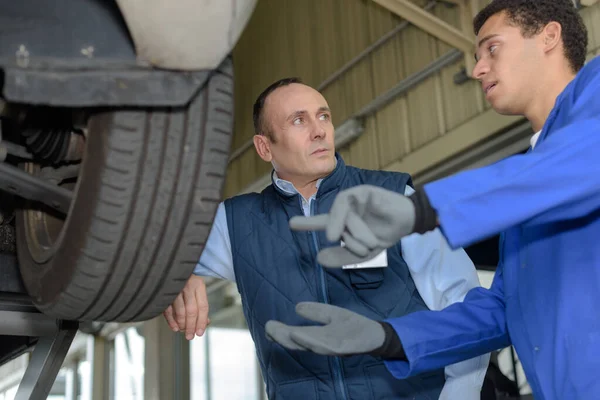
<point x="216" y="259"/>
<point x="444" y="276"/>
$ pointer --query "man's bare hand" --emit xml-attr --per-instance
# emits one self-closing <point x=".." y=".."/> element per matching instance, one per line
<point x="189" y="311"/>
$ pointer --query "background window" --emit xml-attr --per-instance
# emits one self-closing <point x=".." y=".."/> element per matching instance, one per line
<point x="129" y="365"/>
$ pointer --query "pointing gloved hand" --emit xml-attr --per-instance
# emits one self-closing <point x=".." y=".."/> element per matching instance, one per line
<point x="343" y="333"/>
<point x="367" y="218"/>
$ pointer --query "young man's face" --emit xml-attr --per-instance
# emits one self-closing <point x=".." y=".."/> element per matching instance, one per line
<point x="508" y="65"/>
<point x="299" y="119"/>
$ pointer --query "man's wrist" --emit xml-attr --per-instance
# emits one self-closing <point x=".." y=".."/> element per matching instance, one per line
<point x="391" y="349"/>
<point x="425" y="216"/>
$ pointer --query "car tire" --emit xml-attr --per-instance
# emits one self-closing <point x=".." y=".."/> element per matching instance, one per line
<point x="145" y="198"/>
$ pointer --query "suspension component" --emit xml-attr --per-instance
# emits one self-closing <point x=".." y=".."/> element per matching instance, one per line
<point x="54" y="145"/>
<point x="16" y="181"/>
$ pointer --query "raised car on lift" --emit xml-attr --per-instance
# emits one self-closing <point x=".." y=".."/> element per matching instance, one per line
<point x="117" y="119"/>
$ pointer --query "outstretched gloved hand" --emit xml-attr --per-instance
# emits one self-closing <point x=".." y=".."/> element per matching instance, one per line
<point x="344" y="332"/>
<point x="368" y="219"/>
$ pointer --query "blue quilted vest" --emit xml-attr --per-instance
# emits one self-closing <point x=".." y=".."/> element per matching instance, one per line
<point x="276" y="268"/>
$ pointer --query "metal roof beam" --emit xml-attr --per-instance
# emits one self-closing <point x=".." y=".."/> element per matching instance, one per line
<point x="430" y="24"/>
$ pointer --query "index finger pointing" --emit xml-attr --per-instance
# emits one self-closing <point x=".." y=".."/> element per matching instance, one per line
<point x="313" y="223"/>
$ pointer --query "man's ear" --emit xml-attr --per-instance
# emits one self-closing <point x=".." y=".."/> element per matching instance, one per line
<point x="263" y="147"/>
<point x="551" y="35"/>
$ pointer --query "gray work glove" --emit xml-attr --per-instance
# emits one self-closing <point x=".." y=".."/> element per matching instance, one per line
<point x="344" y="332"/>
<point x="367" y="218"/>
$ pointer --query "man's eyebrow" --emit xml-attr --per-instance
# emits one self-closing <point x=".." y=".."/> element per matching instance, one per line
<point x="486" y="38"/>
<point x="296" y="114"/>
<point x="299" y="113"/>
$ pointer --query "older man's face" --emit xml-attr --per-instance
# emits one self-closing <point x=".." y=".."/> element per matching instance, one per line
<point x="299" y="119"/>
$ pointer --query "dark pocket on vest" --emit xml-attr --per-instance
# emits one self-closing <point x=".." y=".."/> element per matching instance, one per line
<point x="304" y="389"/>
<point x="384" y="386"/>
<point x="367" y="278"/>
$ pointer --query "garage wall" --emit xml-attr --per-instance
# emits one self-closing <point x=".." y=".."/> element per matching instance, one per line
<point x="313" y="39"/>
<point x="591" y="16"/>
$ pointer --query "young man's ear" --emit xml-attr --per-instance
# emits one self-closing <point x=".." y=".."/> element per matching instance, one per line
<point x="551" y="35"/>
<point x="263" y="147"/>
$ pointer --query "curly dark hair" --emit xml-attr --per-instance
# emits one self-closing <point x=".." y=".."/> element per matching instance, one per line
<point x="259" y="105"/>
<point x="532" y="15"/>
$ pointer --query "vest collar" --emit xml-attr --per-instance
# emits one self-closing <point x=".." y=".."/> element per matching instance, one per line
<point x="329" y="183"/>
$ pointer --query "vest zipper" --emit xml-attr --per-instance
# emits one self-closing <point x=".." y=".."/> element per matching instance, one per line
<point x="337" y="365"/>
